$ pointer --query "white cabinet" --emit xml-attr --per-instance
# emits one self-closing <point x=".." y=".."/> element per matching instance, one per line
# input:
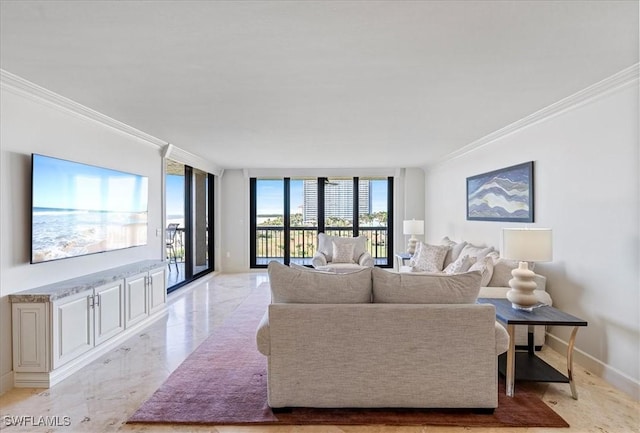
<point x="145" y="294"/>
<point x="60" y="328"/>
<point x="157" y="290"/>
<point x="85" y="320"/>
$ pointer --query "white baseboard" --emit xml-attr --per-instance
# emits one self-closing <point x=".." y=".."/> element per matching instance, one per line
<point x="6" y="382"/>
<point x="611" y="375"/>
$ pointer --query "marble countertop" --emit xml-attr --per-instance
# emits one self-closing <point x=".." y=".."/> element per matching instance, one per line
<point x="54" y="291"/>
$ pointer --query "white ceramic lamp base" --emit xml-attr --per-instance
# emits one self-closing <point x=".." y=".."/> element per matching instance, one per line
<point x="411" y="246"/>
<point x="522" y="286"/>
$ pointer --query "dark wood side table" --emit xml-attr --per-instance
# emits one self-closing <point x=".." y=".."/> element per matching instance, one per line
<point x="525" y="365"/>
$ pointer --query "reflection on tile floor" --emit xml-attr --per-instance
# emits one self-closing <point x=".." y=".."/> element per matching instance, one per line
<point x="101" y="396"/>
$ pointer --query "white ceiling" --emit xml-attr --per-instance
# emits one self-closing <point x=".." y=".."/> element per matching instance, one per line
<point x="258" y="84"/>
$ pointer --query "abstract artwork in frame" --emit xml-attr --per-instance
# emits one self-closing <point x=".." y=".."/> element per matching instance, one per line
<point x="502" y="195"/>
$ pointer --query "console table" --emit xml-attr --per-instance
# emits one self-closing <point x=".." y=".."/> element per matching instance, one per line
<point x="61" y="327"/>
<point x="526" y="366"/>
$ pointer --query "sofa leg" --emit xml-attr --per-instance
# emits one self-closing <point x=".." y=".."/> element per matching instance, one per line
<point x="281" y="410"/>
<point x="484" y="410"/>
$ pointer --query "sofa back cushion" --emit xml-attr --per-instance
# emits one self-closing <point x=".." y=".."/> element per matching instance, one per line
<point x="297" y="286"/>
<point x="406" y="288"/>
<point x="326" y="245"/>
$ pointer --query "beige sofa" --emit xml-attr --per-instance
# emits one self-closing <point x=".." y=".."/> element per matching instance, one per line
<point x="375" y="338"/>
<point x="496" y="273"/>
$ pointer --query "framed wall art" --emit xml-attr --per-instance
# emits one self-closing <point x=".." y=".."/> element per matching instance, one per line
<point x="502" y="195"/>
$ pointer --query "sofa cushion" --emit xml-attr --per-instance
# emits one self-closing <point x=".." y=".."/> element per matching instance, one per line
<point x="455" y="248"/>
<point x="485" y="266"/>
<point x="406" y="288"/>
<point x="502" y="272"/>
<point x="428" y="258"/>
<point x="325" y="245"/>
<point x="289" y="285"/>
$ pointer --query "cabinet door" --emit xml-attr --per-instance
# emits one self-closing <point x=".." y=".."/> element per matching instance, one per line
<point x="136" y="301"/>
<point x="30" y="337"/>
<point x="72" y="327"/>
<point x="157" y="290"/>
<point x="109" y="311"/>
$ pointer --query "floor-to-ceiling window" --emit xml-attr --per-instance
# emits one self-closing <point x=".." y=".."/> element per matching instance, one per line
<point x="189" y="216"/>
<point x="288" y="213"/>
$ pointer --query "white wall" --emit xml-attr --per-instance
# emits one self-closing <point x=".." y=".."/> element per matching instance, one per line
<point x="32" y="125"/>
<point x="586" y="190"/>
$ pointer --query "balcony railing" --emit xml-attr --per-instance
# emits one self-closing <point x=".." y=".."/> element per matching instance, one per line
<point x="270" y="242"/>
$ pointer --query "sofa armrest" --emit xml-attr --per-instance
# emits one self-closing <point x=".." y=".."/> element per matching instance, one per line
<point x="366" y="260"/>
<point x="263" y="335"/>
<point x="318" y="260"/>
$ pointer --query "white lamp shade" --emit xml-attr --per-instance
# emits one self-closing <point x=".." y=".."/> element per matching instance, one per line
<point x="413" y="227"/>
<point x="530" y="245"/>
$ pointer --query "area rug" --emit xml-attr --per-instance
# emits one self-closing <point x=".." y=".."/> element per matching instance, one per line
<point x="224" y="382"/>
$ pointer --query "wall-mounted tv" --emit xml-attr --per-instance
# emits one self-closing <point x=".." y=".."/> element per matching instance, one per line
<point x="79" y="209"/>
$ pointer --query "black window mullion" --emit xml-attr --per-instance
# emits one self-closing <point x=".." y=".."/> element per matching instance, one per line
<point x="253" y="205"/>
<point x="356" y="206"/>
<point x="390" y="221"/>
<point x="321" y="183"/>
<point x="287" y="220"/>
<point x="188" y="229"/>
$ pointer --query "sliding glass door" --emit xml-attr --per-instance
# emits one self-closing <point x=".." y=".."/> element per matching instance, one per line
<point x="288" y="213"/>
<point x="189" y="216"/>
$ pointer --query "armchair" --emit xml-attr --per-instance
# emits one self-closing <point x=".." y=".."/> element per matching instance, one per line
<point x="340" y="254"/>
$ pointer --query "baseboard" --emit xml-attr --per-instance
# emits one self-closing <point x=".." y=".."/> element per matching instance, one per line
<point x="6" y="382"/>
<point x="611" y="375"/>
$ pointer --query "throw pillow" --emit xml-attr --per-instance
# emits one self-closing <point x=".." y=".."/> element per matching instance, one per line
<point x="502" y="272"/>
<point x="462" y="264"/>
<point x="429" y="258"/>
<point x="343" y="252"/>
<point x="475" y="251"/>
<point x="407" y="288"/>
<point x="455" y="248"/>
<point x="295" y="286"/>
<point x="325" y="245"/>
<point x="485" y="266"/>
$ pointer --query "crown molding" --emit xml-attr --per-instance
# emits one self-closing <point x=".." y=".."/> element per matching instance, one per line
<point x="615" y="82"/>
<point x="20" y="86"/>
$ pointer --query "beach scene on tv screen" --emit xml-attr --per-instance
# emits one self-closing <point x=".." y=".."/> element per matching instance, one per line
<point x="80" y="209"/>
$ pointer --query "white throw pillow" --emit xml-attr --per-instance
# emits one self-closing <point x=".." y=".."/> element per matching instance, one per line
<point x="475" y="251"/>
<point x="408" y="288"/>
<point x="343" y="252"/>
<point x="462" y="264"/>
<point x="485" y="266"/>
<point x="455" y="248"/>
<point x="325" y="245"/>
<point x="429" y="258"/>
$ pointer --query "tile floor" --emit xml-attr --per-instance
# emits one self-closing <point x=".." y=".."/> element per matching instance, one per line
<point x="102" y="396"/>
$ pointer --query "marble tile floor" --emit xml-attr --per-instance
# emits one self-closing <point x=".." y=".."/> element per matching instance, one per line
<point x="101" y="397"/>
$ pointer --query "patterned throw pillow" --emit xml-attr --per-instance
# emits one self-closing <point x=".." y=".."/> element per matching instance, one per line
<point x="475" y="251"/>
<point x="485" y="266"/>
<point x="343" y="252"/>
<point x="429" y="258"/>
<point x="462" y="264"/>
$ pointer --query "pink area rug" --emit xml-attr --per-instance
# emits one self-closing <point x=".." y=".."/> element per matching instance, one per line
<point x="224" y="381"/>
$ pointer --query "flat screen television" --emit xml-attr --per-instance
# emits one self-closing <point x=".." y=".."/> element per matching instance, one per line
<point x="79" y="209"/>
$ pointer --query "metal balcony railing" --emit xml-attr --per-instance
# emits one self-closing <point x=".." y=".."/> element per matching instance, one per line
<point x="270" y="242"/>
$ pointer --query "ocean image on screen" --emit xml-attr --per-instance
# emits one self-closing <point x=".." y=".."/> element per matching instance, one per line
<point x="80" y="209"/>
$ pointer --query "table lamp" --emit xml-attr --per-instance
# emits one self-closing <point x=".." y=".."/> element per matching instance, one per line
<point x="525" y="245"/>
<point x="412" y="228"/>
